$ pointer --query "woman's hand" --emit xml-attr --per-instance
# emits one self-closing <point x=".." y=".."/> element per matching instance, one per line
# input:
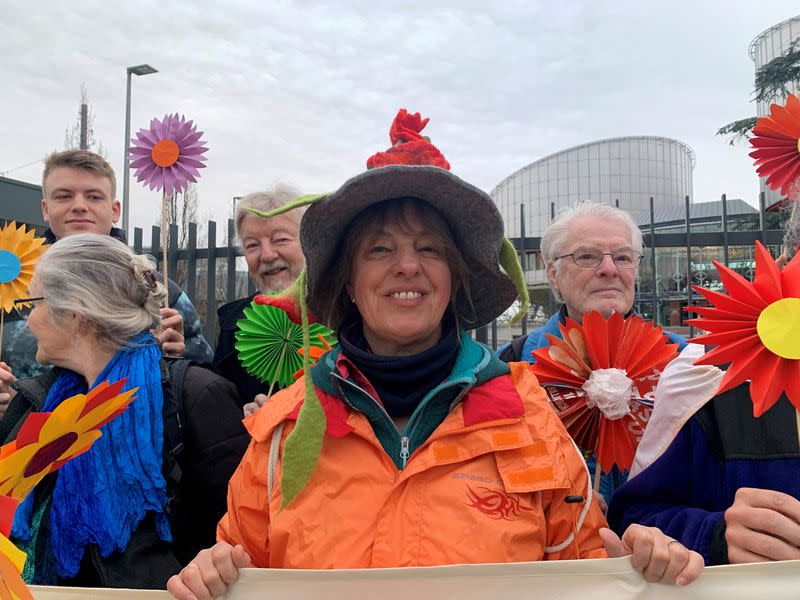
<point x="210" y="573"/>
<point x="254" y="406"/>
<point x="656" y="556"/>
<point x="7" y="393"/>
<point x="170" y="333"/>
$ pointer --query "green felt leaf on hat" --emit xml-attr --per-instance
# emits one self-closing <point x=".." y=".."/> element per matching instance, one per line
<point x="303" y="446"/>
<point x="511" y="265"/>
<point x="267" y="343"/>
<point x="304" y="200"/>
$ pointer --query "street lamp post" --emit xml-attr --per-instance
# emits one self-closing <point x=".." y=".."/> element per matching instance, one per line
<point x="137" y="70"/>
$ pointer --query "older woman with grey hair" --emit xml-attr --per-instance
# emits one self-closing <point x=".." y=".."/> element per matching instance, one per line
<point x="147" y="495"/>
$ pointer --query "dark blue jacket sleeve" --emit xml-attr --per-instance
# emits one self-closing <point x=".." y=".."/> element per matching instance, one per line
<point x="682" y="493"/>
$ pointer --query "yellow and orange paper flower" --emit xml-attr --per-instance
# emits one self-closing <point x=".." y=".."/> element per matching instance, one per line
<point x="756" y="328"/>
<point x="48" y="440"/>
<point x="776" y="139"/>
<point x="19" y="252"/>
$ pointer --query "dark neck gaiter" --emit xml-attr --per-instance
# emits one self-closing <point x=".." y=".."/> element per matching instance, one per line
<point x="401" y="381"/>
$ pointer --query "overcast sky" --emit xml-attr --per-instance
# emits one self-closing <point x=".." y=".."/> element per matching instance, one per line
<point x="304" y="92"/>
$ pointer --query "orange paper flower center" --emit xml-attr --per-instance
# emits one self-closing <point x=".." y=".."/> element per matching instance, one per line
<point x="49" y="453"/>
<point x="779" y="327"/>
<point x="165" y="153"/>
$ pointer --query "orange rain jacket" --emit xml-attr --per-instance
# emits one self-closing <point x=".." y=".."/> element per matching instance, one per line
<point x="498" y="480"/>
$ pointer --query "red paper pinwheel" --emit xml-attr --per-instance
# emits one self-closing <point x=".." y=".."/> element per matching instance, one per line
<point x="756" y="328"/>
<point x="168" y="155"/>
<point x="600" y="379"/>
<point x="777" y="141"/>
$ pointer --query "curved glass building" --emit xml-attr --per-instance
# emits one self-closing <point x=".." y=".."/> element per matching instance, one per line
<point x="625" y="170"/>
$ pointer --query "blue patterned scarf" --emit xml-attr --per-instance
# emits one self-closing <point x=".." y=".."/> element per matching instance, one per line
<point x="101" y="496"/>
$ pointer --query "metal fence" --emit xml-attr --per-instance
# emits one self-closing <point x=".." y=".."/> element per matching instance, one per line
<point x="673" y="262"/>
<point x="207" y="287"/>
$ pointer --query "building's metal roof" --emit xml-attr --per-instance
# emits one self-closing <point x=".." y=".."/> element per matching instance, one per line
<point x="751" y="49"/>
<point x="697" y="212"/>
<point x="594" y="143"/>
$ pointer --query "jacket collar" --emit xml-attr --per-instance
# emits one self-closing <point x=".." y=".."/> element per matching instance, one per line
<point x="116" y="233"/>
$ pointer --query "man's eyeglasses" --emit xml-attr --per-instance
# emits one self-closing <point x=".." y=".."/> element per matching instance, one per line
<point x="24" y="306"/>
<point x="590" y="258"/>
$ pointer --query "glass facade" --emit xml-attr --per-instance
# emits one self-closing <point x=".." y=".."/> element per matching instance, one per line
<point x="627" y="170"/>
<point x="671" y="275"/>
<point x="770" y="44"/>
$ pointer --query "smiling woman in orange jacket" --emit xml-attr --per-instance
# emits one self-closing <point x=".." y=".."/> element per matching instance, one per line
<point x="410" y="444"/>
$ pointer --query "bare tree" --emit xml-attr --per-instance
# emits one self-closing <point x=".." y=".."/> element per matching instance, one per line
<point x="81" y="134"/>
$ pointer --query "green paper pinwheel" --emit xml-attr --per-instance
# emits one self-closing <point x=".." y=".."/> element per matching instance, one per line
<point x="268" y="342"/>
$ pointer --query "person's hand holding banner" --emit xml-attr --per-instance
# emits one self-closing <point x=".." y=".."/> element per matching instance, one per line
<point x="654" y="555"/>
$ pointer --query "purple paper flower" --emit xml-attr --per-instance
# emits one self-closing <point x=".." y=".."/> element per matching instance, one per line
<point x="168" y="155"/>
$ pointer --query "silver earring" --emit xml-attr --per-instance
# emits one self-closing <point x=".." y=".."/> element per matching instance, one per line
<point x="353" y="300"/>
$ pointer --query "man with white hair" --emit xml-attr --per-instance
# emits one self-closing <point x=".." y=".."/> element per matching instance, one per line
<point x="271" y="248"/>
<point x="592" y="254"/>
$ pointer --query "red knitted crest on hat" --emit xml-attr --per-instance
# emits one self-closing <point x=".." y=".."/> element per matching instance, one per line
<point x="408" y="146"/>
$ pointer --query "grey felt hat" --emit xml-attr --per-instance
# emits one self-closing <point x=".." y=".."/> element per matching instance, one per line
<point x="471" y="214"/>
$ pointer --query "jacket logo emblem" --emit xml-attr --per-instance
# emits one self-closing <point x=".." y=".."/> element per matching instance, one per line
<point x="497" y="505"/>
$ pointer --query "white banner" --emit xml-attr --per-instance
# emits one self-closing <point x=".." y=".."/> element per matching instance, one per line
<point x="575" y="579"/>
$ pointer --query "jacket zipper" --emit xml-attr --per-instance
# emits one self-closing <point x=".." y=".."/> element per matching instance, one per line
<point x="404" y="450"/>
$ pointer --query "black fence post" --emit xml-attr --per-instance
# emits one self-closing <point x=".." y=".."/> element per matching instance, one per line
<point x="688" y="262"/>
<point x="653" y="275"/>
<point x="211" y="282"/>
<point x="725" y="253"/>
<point x="172" y="253"/>
<point x="231" y="272"/>
<point x="155" y="246"/>
<point x="191" y="263"/>
<point x="137" y="240"/>
<point x="523" y="261"/>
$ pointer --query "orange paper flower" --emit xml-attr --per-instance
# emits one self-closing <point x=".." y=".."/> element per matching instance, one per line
<point x="776" y="139"/>
<point x="19" y="252"/>
<point x="599" y="378"/>
<point x="756" y="328"/>
<point x="48" y="440"/>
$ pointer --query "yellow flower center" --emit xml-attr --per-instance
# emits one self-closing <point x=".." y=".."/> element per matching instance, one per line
<point x="165" y="153"/>
<point x="779" y="328"/>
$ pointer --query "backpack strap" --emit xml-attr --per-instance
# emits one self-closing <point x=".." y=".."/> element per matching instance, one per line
<point x="513" y="352"/>
<point x="174" y="420"/>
